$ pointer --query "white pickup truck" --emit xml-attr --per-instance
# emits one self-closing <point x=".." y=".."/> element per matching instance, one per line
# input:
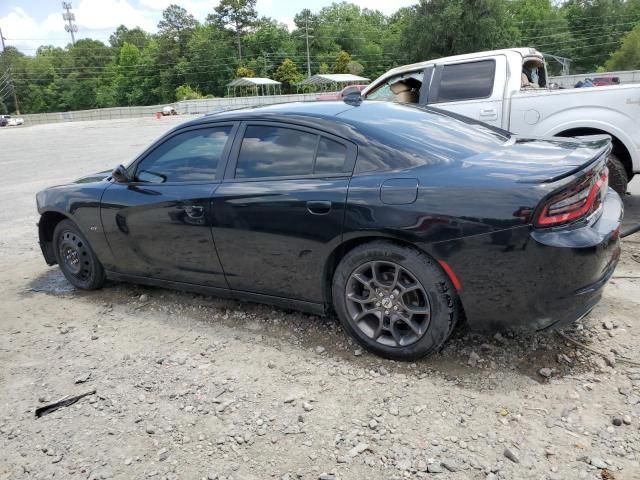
<point x="508" y="89"/>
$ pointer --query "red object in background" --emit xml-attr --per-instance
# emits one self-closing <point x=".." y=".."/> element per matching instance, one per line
<point x="342" y="93"/>
<point x="607" y="80"/>
<point x="158" y="115"/>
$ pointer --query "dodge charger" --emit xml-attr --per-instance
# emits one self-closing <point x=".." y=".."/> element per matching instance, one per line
<point x="400" y="219"/>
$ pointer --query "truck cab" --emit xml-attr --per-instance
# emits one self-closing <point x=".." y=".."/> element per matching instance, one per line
<point x="510" y="89"/>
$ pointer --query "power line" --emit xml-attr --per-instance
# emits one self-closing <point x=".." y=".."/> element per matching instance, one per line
<point x="222" y="61"/>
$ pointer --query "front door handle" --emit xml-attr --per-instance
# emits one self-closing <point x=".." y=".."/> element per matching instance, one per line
<point x="489" y="114"/>
<point x="319" y="207"/>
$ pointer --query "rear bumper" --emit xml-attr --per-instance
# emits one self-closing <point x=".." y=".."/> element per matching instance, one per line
<point x="537" y="279"/>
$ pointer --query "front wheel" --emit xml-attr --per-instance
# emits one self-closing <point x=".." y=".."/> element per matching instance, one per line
<point x="394" y="300"/>
<point x="76" y="258"/>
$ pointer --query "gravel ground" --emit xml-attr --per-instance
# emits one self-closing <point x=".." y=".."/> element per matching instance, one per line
<point x="194" y="387"/>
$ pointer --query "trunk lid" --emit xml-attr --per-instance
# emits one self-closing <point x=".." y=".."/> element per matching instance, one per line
<point x="542" y="160"/>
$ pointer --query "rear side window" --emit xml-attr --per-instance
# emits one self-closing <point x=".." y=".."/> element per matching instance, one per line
<point x="331" y="157"/>
<point x="269" y="151"/>
<point x="466" y="81"/>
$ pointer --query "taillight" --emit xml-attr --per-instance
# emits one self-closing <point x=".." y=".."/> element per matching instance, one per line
<point x="577" y="202"/>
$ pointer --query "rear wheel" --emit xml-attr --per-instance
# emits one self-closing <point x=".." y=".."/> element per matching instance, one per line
<point x="76" y="258"/>
<point x="618" y="179"/>
<point x="394" y="300"/>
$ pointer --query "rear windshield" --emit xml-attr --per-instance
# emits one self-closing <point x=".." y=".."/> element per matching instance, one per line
<point x="421" y="134"/>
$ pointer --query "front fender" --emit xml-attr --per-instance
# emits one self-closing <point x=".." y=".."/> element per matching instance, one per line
<point x="81" y="204"/>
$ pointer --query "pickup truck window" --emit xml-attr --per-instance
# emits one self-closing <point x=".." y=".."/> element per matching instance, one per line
<point x="466" y="81"/>
<point x="404" y="88"/>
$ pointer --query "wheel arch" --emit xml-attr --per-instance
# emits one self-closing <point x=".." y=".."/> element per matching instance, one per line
<point x="46" y="226"/>
<point x="620" y="148"/>
<point x="338" y="253"/>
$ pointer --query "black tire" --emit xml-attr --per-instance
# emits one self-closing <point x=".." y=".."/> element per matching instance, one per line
<point x="76" y="258"/>
<point x="618" y="179"/>
<point x="378" y="329"/>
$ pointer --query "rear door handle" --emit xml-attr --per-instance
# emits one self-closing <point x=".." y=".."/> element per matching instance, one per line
<point x="319" y="207"/>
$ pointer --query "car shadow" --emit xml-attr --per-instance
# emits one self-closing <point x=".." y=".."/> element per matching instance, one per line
<point x="469" y="359"/>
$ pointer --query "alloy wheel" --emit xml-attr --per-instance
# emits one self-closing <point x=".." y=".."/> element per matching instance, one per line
<point x="387" y="303"/>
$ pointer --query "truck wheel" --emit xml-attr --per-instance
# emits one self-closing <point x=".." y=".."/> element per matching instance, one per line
<point x="618" y="179"/>
<point x="394" y="300"/>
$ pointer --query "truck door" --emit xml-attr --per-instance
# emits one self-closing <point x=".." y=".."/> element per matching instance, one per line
<point x="474" y="89"/>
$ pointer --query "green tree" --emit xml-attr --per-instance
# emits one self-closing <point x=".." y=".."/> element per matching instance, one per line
<point x="240" y="15"/>
<point x="542" y="25"/>
<point x="210" y="60"/>
<point x="175" y="31"/>
<point x="13" y="63"/>
<point x="440" y="28"/>
<point x="127" y="89"/>
<point x="627" y="57"/>
<point x="185" y="92"/>
<point x="288" y="74"/>
<point x="341" y="65"/>
<point x="355" y="68"/>
<point x="90" y="60"/>
<point x="135" y="36"/>
<point x="597" y="27"/>
<point x="245" y="72"/>
<point x="177" y="24"/>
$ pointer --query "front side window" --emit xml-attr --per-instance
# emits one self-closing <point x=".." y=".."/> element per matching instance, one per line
<point x="381" y="92"/>
<point x="269" y="151"/>
<point x="191" y="156"/>
<point x="403" y="88"/>
<point x="466" y="81"/>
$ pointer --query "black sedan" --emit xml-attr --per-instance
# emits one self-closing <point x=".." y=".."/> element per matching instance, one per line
<point x="403" y="220"/>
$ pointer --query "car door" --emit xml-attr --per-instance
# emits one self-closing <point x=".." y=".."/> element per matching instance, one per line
<point x="279" y="212"/>
<point x="474" y="89"/>
<point x="159" y="224"/>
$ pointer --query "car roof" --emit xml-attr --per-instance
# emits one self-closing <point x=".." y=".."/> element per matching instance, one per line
<point x="354" y="121"/>
<point x="334" y="116"/>
<point x="313" y="114"/>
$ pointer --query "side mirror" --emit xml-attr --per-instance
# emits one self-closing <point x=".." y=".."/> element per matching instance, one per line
<point x="120" y="175"/>
<point x="353" y="98"/>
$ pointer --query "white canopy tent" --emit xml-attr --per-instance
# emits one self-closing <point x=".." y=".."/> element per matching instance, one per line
<point x="257" y="86"/>
<point x="325" y="82"/>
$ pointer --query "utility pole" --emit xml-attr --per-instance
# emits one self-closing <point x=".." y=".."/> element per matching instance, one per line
<point x="306" y="34"/>
<point x="9" y="79"/>
<point x="69" y="17"/>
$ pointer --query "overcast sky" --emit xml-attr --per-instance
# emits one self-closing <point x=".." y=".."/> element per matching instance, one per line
<point x="28" y="24"/>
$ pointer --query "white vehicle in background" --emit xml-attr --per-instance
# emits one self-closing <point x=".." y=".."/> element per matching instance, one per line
<point x="508" y="89"/>
<point x="13" y="121"/>
<point x="169" y="110"/>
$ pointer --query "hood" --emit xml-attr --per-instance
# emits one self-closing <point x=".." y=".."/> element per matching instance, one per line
<point x="540" y="160"/>
<point x="96" y="177"/>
